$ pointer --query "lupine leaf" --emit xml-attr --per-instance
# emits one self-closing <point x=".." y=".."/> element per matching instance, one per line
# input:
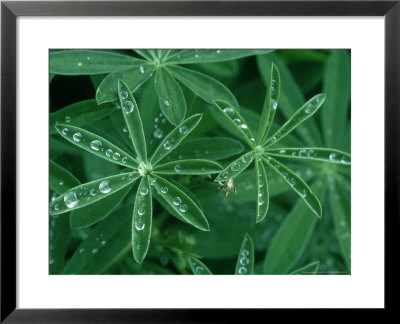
<point x="104" y="245"/>
<point x="90" y="192"/>
<point x="134" y="77"/>
<point x="79" y="114"/>
<point x="170" y="96"/>
<point x="141" y="221"/>
<point x="58" y="243"/>
<point x="305" y="112"/>
<point x="60" y="179"/>
<point x="236" y="167"/>
<point x="308" y="269"/>
<point x="312" y="153"/>
<point x="131" y="114"/>
<point x="93" y="213"/>
<point x="270" y="104"/>
<point x="174" y="138"/>
<point x="194" y="167"/>
<point x="191" y="56"/>
<point x="297" y="185"/>
<point x="205" y="87"/>
<point x="198" y="267"/>
<point x="262" y="186"/>
<point x="180" y="202"/>
<point x="96" y="145"/>
<point x="144" y="53"/>
<point x="245" y="261"/>
<point x="86" y="62"/>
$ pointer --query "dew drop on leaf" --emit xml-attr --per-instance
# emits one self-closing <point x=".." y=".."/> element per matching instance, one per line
<point x="242" y="270"/>
<point x="303" y="153"/>
<point x="93" y="191"/>
<point x="141" y="69"/>
<point x="128" y="107"/>
<point x="65" y="131"/>
<point x="109" y="153"/>
<point x="141" y="211"/>
<point x="167" y="103"/>
<point x="229" y="111"/>
<point x="77" y="137"/>
<point x="167" y="145"/>
<point x="311" y="153"/>
<point x="177" y="168"/>
<point x="144" y="191"/>
<point x="67" y="119"/>
<point x="123" y="94"/>
<point x="237" y="121"/>
<point x="95" y="145"/>
<point x="199" y="270"/>
<point x="177" y="201"/>
<point x="245" y="252"/>
<point x="125" y="129"/>
<point x="164" y="190"/>
<point x="61" y="182"/>
<point x="183" y="129"/>
<point x="105" y="186"/>
<point x="183" y="208"/>
<point x="139" y="225"/>
<point x="94" y="251"/>
<point x="124" y="159"/>
<point x="332" y="156"/>
<point x="116" y="156"/>
<point x="244" y="261"/>
<point x="158" y="133"/>
<point x="70" y="199"/>
<point x="235" y="166"/>
<point x="274" y="104"/>
<point x="103" y="242"/>
<point x="81" y="250"/>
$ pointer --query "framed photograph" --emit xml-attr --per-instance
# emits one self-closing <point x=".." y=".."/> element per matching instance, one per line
<point x="164" y="158"/>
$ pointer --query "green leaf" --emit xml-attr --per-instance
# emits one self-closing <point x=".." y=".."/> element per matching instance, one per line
<point x="305" y="112"/>
<point x="141" y="221"/>
<point x="245" y="261"/>
<point x="270" y="105"/>
<point x="211" y="55"/>
<point x="86" y="62"/>
<point x="202" y="85"/>
<point x="215" y="148"/>
<point x="170" y="96"/>
<point x="79" y="114"/>
<point x="235" y="120"/>
<point x="262" y="198"/>
<point x="193" y="167"/>
<point x="312" y="153"/>
<point x="180" y="202"/>
<point x="336" y="86"/>
<point x="198" y="267"/>
<point x="91" y="192"/>
<point x="134" y="77"/>
<point x="236" y="167"/>
<point x="144" y="53"/>
<point x="292" y="237"/>
<point x="174" y="138"/>
<point x="297" y="185"/>
<point x="309" y="269"/>
<point x="96" y="145"/>
<point x="60" y="180"/>
<point x="93" y="213"/>
<point x="132" y="118"/>
<point x="109" y="240"/>
<point x="59" y="240"/>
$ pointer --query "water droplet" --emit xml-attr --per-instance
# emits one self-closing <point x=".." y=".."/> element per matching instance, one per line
<point x="167" y="103"/>
<point x="285" y="174"/>
<point x="244" y="261"/>
<point x="77" y="137"/>
<point x="105" y="186"/>
<point x="109" y="153"/>
<point x="237" y="121"/>
<point x="65" y="131"/>
<point x="261" y="201"/>
<point x="274" y="104"/>
<point x="294" y="153"/>
<point x="246" y="158"/>
<point x="67" y="119"/>
<point x="103" y="242"/>
<point x="309" y="108"/>
<point x="183" y="129"/>
<point x="311" y="153"/>
<point x="139" y="225"/>
<point x="260" y="193"/>
<point x="183" y="208"/>
<point x="235" y="166"/>
<point x="125" y="129"/>
<point x="167" y="145"/>
<point x="273" y="139"/>
<point x="344" y="159"/>
<point x="292" y="181"/>
<point x="51" y="261"/>
<point x="70" y="199"/>
<point x="243" y="126"/>
<point x="124" y="159"/>
<point x="61" y="182"/>
<point x="229" y="111"/>
<point x="123" y="94"/>
<point x="95" y="145"/>
<point x="158" y="133"/>
<point x="144" y="191"/>
<point x="81" y="250"/>
<point x="141" y="211"/>
<point x="282" y="151"/>
<point x="94" y="251"/>
<point x="304" y="192"/>
<point x="252" y="139"/>
<point x="164" y="190"/>
<point x="116" y="156"/>
<point x="128" y="107"/>
<point x="56" y="207"/>
<point x="199" y="270"/>
<point x="218" y="51"/>
<point x="93" y="191"/>
<point x="141" y="69"/>
<point x="177" y="201"/>
<point x="196" y="55"/>
<point x="242" y="270"/>
<point x="303" y="153"/>
<point x="332" y="156"/>
<point x="177" y="168"/>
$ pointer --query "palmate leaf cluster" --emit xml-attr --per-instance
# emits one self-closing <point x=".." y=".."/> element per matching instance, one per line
<point x="174" y="131"/>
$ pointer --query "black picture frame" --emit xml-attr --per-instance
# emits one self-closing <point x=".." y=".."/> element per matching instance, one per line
<point x="10" y="10"/>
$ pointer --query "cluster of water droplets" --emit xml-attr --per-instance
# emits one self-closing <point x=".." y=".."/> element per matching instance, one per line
<point x="244" y="261"/>
<point x="230" y="112"/>
<point x="177" y="201"/>
<point x="128" y="106"/>
<point x="237" y="165"/>
<point x="141" y="209"/>
<point x="261" y="184"/>
<point x="100" y="241"/>
<point x="158" y="121"/>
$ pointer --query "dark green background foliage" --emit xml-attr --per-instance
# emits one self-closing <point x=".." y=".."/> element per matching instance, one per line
<point x="228" y="233"/>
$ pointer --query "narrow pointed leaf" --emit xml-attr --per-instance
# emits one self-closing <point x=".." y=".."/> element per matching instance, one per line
<point x="131" y="114"/>
<point x="292" y="238"/>
<point x="236" y="167"/>
<point x="193" y="167"/>
<point x="312" y="153"/>
<point x="108" y="241"/>
<point x="79" y="114"/>
<point x="180" y="202"/>
<point x="96" y="145"/>
<point x="90" y="192"/>
<point x="262" y="191"/>
<point x="245" y="261"/>
<point x="134" y="77"/>
<point x="205" y="87"/>
<point x="58" y="243"/>
<point x="270" y="104"/>
<point x="235" y="120"/>
<point x="296" y="184"/>
<point x="141" y="221"/>
<point x="93" y="213"/>
<point x="174" y="138"/>
<point x="308" y="269"/>
<point x="198" y="267"/>
<point x="60" y="179"/>
<point x="144" y="53"/>
<point x="170" y="96"/>
<point x="88" y="62"/>
<point x="212" y="55"/>
<point x="305" y="112"/>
